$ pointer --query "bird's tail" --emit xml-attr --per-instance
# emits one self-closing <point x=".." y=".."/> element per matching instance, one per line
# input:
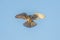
<point x="29" y="24"/>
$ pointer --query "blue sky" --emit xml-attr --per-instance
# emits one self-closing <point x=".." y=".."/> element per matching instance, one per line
<point x="13" y="29"/>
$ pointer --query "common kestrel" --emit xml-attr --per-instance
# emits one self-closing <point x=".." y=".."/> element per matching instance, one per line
<point x="30" y="18"/>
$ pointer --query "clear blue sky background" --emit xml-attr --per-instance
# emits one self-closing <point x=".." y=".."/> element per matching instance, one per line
<point x="13" y="29"/>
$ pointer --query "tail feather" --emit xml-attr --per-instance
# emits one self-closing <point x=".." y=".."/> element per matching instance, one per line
<point x="29" y="24"/>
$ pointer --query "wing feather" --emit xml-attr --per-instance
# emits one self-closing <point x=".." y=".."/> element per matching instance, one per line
<point x="38" y="16"/>
<point x="22" y="16"/>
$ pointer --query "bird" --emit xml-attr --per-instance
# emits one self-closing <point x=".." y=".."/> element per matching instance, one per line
<point x="30" y="18"/>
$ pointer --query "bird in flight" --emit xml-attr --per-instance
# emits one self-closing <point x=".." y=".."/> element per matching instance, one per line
<point x="30" y="18"/>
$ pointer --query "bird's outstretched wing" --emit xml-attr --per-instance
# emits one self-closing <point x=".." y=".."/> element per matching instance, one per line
<point x="22" y="16"/>
<point x="38" y="16"/>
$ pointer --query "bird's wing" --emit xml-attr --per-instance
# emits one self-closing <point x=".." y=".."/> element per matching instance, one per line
<point x="38" y="16"/>
<point x="22" y="16"/>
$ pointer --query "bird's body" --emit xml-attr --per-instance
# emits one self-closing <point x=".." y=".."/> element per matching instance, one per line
<point x="30" y="23"/>
<point x="29" y="19"/>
